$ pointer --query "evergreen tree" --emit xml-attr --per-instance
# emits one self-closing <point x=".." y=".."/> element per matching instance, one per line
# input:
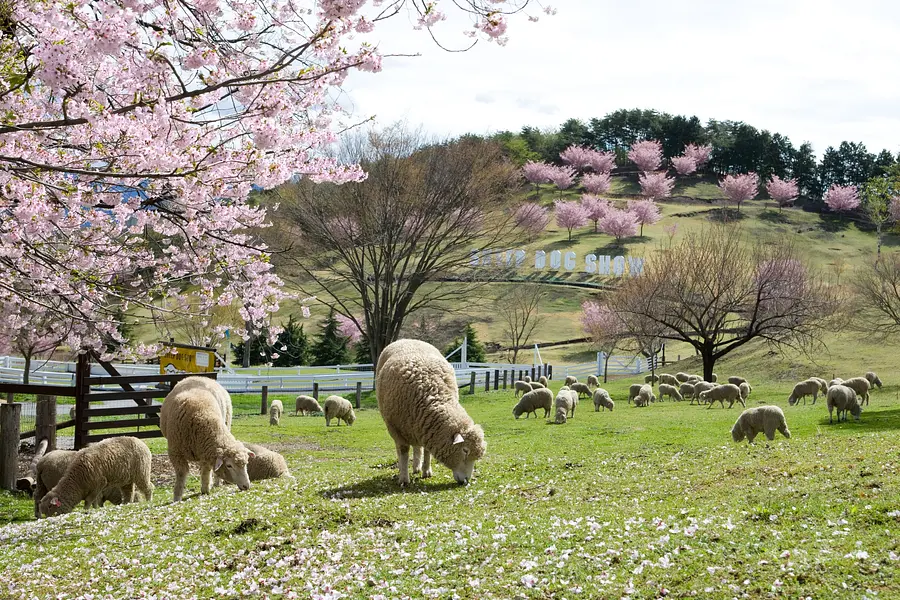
<point x="330" y="348"/>
<point x="292" y="346"/>
<point x="260" y="352"/>
<point x="474" y="348"/>
<point x="362" y="354"/>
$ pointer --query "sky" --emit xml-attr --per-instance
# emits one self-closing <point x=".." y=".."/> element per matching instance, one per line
<point x="820" y="71"/>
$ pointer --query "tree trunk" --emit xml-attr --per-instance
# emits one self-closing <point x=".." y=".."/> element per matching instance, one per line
<point x="878" y="227"/>
<point x="26" y="376"/>
<point x="248" y="347"/>
<point x="709" y="361"/>
<point x="606" y="368"/>
<point x="642" y="230"/>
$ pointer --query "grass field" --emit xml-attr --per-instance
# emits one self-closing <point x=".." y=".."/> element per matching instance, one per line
<point x="638" y="503"/>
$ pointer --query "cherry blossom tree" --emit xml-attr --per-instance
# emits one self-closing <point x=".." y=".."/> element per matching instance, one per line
<point x="577" y="156"/>
<point x="348" y="328"/>
<point x="619" y="223"/>
<point x="570" y="215"/>
<point x="655" y="184"/>
<point x="739" y="188"/>
<point x="31" y="334"/>
<point x="562" y="177"/>
<point x="782" y="191"/>
<point x="606" y="330"/>
<point x="842" y="197"/>
<point x="596" y="208"/>
<point x="536" y="173"/>
<point x="135" y="131"/>
<point x="596" y="183"/>
<point x="645" y="211"/>
<point x="531" y="217"/>
<point x="646" y="154"/>
<point x="601" y="162"/>
<point x="684" y="165"/>
<point x="700" y="154"/>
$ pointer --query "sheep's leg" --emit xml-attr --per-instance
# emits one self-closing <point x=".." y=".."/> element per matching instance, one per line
<point x="751" y="435"/>
<point x="830" y="418"/>
<point x="91" y="499"/>
<point x="770" y="432"/>
<point x="205" y="477"/>
<point x="146" y="488"/>
<point x="403" y="462"/>
<point x="416" y="459"/>
<point x="181" y="473"/>
<point x="128" y="493"/>
<point x="426" y="462"/>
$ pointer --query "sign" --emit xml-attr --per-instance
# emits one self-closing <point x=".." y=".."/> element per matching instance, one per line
<point x="180" y="358"/>
<point x="617" y="266"/>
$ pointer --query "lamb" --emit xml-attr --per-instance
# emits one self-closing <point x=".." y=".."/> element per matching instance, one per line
<point x="543" y="381"/>
<point x="699" y="388"/>
<point x="809" y="387"/>
<point x="532" y="401"/>
<point x="537" y="385"/>
<point x="633" y="390"/>
<point x="580" y="388"/>
<point x="275" y="411"/>
<point x="728" y="391"/>
<point x="306" y="405"/>
<point x="671" y="391"/>
<point x="593" y="382"/>
<point x="521" y="386"/>
<point x="861" y="386"/>
<point x="873" y="379"/>
<point x="263" y="464"/>
<point x="340" y="409"/>
<point x="120" y="462"/>
<point x="745" y="391"/>
<point x="419" y="401"/>
<point x="570" y="379"/>
<point x="645" y="396"/>
<point x="193" y="421"/>
<point x="687" y="390"/>
<point x="835" y="381"/>
<point x="651" y="379"/>
<point x="51" y="467"/>
<point x="765" y="419"/>
<point x="566" y="402"/>
<point x="843" y="399"/>
<point x="670" y="379"/>
<point x="736" y="380"/>
<point x="602" y="398"/>
<point x="682" y="378"/>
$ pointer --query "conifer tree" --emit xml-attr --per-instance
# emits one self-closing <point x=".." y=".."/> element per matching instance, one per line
<point x="330" y="347"/>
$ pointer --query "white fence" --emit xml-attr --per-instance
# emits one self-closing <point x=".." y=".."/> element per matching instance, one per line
<point x="618" y="365"/>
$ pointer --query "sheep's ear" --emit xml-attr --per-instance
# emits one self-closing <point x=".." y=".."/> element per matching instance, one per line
<point x="218" y="463"/>
<point x="251" y="454"/>
<point x="458" y="439"/>
<point x="55" y="502"/>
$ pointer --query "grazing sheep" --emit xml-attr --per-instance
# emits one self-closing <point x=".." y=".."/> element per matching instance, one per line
<point x="760" y="419"/>
<point x="694" y="379"/>
<point x="566" y="402"/>
<point x="51" y="467"/>
<point x="823" y="385"/>
<point x="633" y="390"/>
<point x="686" y="390"/>
<point x="120" y="462"/>
<point x="861" y="386"/>
<point x="419" y="401"/>
<point x="714" y="378"/>
<point x="835" y="381"/>
<point x="873" y="379"/>
<point x="602" y="398"/>
<point x="699" y="388"/>
<point x="543" y="381"/>
<point x="581" y="388"/>
<point x="532" y="401"/>
<point x="645" y="396"/>
<point x="72" y="412"/>
<point x="681" y="377"/>
<point x="263" y="464"/>
<point x="340" y="409"/>
<point x="570" y="379"/>
<point x="275" y="411"/>
<point x="809" y="387"/>
<point x="843" y="399"/>
<point x="521" y="386"/>
<point x="593" y="382"/>
<point x="536" y="385"/>
<point x="527" y="379"/>
<point x="306" y="405"/>
<point x="736" y="380"/>
<point x="193" y="421"/>
<point x="745" y="391"/>
<point x="671" y="391"/>
<point x="651" y="379"/>
<point x="670" y="379"/>
<point x="728" y="391"/>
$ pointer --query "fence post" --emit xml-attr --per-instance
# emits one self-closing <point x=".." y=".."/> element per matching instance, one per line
<point x="316" y="390"/>
<point x="45" y="421"/>
<point x="496" y="379"/>
<point x="82" y="389"/>
<point x="505" y="373"/>
<point x="10" y="414"/>
<point x="264" y="400"/>
<point x="472" y="383"/>
<point x="358" y="394"/>
<point x="532" y="374"/>
<point x="549" y="371"/>
<point x="487" y="381"/>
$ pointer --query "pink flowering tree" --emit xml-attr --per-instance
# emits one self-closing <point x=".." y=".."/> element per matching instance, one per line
<point x="740" y="188"/>
<point x="596" y="183"/>
<point x="840" y="198"/>
<point x="348" y="328"/>
<point x="596" y="208"/>
<point x="577" y="156"/>
<point x="601" y="162"/>
<point x="30" y="334"/>
<point x="619" y="223"/>
<point x="684" y="165"/>
<point x="656" y="184"/>
<point x="570" y="215"/>
<point x="646" y="154"/>
<point x="135" y="131"/>
<point x="782" y="191"/>
<point x="536" y="173"/>
<point x="606" y="330"/>
<point x="562" y="177"/>
<point x="532" y="217"/>
<point x="645" y="211"/>
<point x="700" y="154"/>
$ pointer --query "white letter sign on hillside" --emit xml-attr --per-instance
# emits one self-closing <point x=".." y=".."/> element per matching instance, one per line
<point x="604" y="265"/>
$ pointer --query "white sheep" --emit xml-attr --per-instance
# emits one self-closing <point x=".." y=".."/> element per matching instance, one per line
<point x="651" y="379"/>
<point x="686" y="390"/>
<point x="843" y="399"/>
<point x="419" y="401"/>
<point x="532" y="401"/>
<point x="338" y="408"/>
<point x="699" y="388"/>
<point x="873" y="379"/>
<point x="633" y="390"/>
<point x="823" y="385"/>
<point x="119" y="462"/>
<point x="50" y="468"/>
<point x="602" y="399"/>
<point x="645" y="396"/>
<point x="728" y="391"/>
<point x="527" y="379"/>
<point x="835" y="381"/>
<point x="670" y="379"/>
<point x="760" y="419"/>
<point x="543" y="381"/>
<point x="566" y="402"/>
<point x="671" y="391"/>
<point x="736" y="380"/>
<point x="694" y="379"/>
<point x="593" y="382"/>
<point x="745" y="391"/>
<point x="263" y="464"/>
<point x="681" y="377"/>
<point x="581" y="389"/>
<point x="521" y="386"/>
<point x="306" y="405"/>
<point x="193" y="421"/>
<point x="861" y="386"/>
<point x="537" y="385"/>
<point x="275" y="411"/>
<point x="809" y="387"/>
<point x="570" y="379"/>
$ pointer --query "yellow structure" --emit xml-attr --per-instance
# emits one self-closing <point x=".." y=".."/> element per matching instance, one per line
<point x="181" y="358"/>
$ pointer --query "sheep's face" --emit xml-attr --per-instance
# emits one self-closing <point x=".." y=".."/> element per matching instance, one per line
<point x="737" y="434"/>
<point x="704" y="395"/>
<point x="516" y="412"/>
<point x="855" y="410"/>
<point x="466" y="447"/>
<point x="51" y="505"/>
<point x="231" y="465"/>
<point x="350" y="418"/>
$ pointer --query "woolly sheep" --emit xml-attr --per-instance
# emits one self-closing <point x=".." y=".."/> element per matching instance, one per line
<point x="527" y="379"/>
<point x="602" y="399"/>
<point x="809" y="387"/>
<point x="861" y="386"/>
<point x="835" y="381"/>
<point x="736" y="380"/>
<point x="843" y="399"/>
<point x="581" y="388"/>
<point x="566" y="402"/>
<point x="536" y="385"/>
<point x="72" y="412"/>
<point x="338" y="408"/>
<point x="570" y="379"/>
<point x="521" y="386"/>
<point x="694" y="379"/>
<point x="120" y="462"/>
<point x="633" y="390"/>
<point x="670" y="379"/>
<point x="306" y="405"/>
<point x="275" y="410"/>
<point x="715" y="378"/>
<point x="645" y="396"/>
<point x="671" y="391"/>
<point x="651" y="379"/>
<point x="419" y="401"/>
<point x="532" y="401"/>
<point x="686" y="390"/>
<point x="681" y="377"/>
<point x="760" y="419"/>
<point x="873" y="379"/>
<point x="699" y="388"/>
<point x="192" y="419"/>
<point x="593" y="382"/>
<point x="745" y="391"/>
<point x="51" y="467"/>
<point x="263" y="464"/>
<point x="823" y="385"/>
<point x="728" y="391"/>
<point x="543" y="381"/>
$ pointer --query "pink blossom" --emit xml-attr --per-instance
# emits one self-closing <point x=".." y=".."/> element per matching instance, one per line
<point x="646" y="154"/>
<point x="602" y="162"/>
<point x="536" y="172"/>
<point x="782" y="191"/>
<point x="655" y="184"/>
<point x="671" y="229"/>
<point x="894" y="208"/>
<point x="532" y="217"/>
<point x="738" y="188"/>
<point x="684" y="165"/>
<point x="596" y="183"/>
<point x="347" y="328"/>
<point x="841" y="197"/>
<point x="601" y="323"/>
<point x="562" y="177"/>
<point x="645" y="211"/>
<point x="577" y="156"/>
<point x="494" y="25"/>
<point x="596" y="208"/>
<point x="619" y="223"/>
<point x="570" y="215"/>
<point x="700" y="154"/>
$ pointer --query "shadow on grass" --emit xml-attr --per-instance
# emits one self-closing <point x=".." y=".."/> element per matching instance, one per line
<point x="832" y="222"/>
<point x="726" y="215"/>
<point x="882" y="420"/>
<point x="386" y="485"/>
<point x="775" y="216"/>
<point x="561" y="245"/>
<point x="615" y="248"/>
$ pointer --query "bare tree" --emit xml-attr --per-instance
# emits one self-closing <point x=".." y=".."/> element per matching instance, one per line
<point x="376" y="248"/>
<point x="519" y="310"/>
<point x="876" y="303"/>
<point x="716" y="293"/>
<point x="201" y="327"/>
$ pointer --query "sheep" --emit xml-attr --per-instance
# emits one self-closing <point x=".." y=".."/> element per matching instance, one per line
<point x="120" y="462"/>
<point x="670" y="379"/>
<point x="842" y="398"/>
<point x="51" y="467"/>
<point x="601" y="398"/>
<point x="835" y="381"/>
<point x="593" y="382"/>
<point x="728" y="391"/>
<point x="765" y="419"/>
<point x="570" y="379"/>
<point x="527" y="379"/>
<point x="566" y="402"/>
<point x="543" y="381"/>
<point x="686" y="390"/>
<point x="694" y="379"/>
<point x="669" y="390"/>
<point x="537" y="385"/>
<point x="809" y="387"/>
<point x="873" y="379"/>
<point x="306" y="405"/>
<point x="580" y="388"/>
<point x="521" y="386"/>
<point x="699" y="388"/>
<point x="823" y="385"/>
<point x="745" y="391"/>
<point x="340" y="409"/>
<point x="736" y="380"/>
<point x="72" y="412"/>
<point x="714" y="378"/>
<point x="681" y="377"/>
<point x="861" y="386"/>
<point x="651" y="379"/>
<point x="193" y="421"/>
<point x="645" y="396"/>
<point x="633" y="390"/>
<point x="419" y="401"/>
<point x="532" y="401"/>
<point x="275" y="411"/>
<point x="263" y="464"/>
